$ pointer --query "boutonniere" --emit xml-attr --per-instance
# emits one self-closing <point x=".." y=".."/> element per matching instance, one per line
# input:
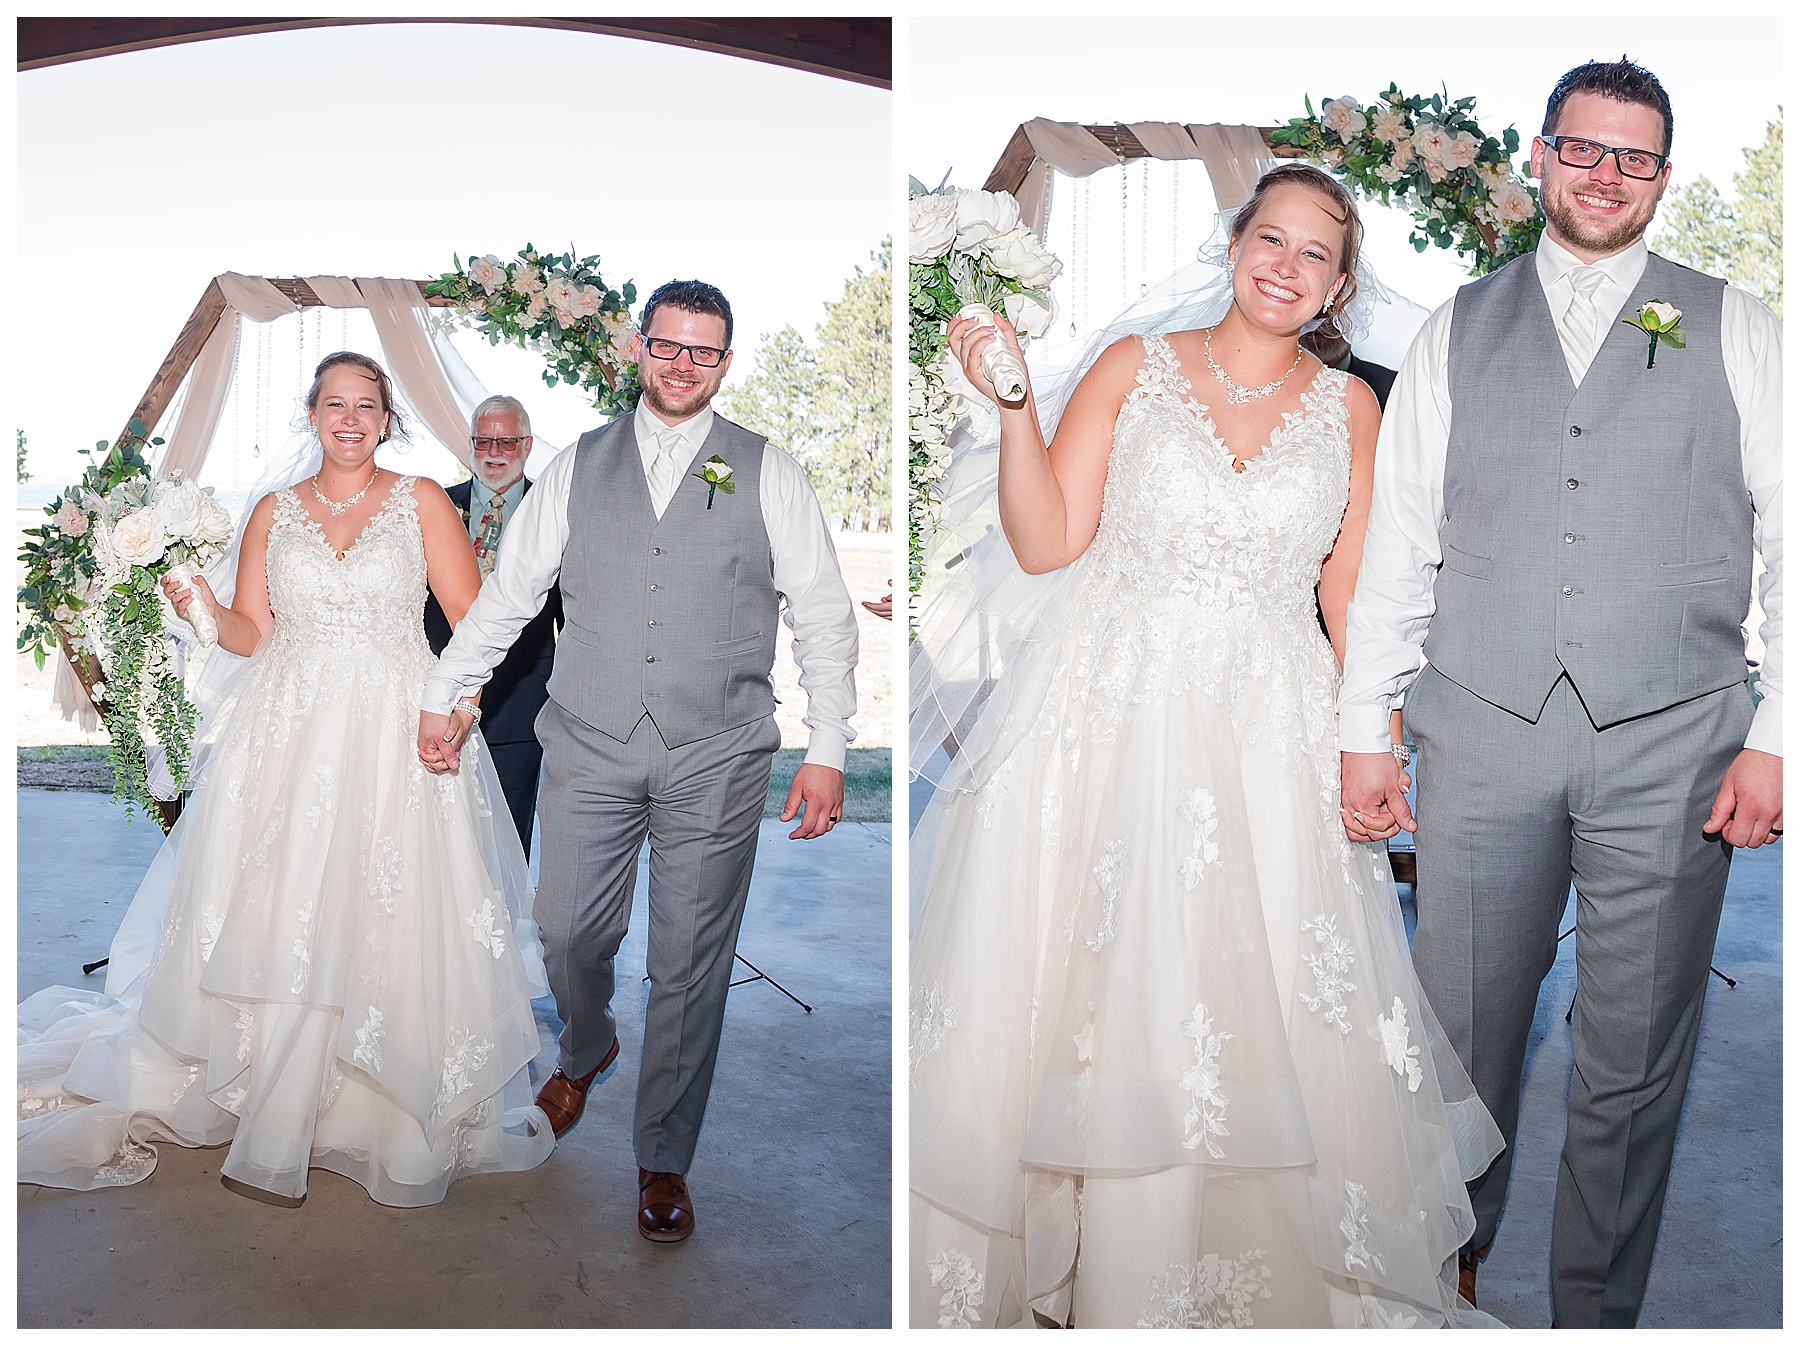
<point x="1662" y="320"/>
<point x="716" y="473"/>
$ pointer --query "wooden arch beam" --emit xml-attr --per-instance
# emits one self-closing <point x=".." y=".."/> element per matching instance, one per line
<point x="859" y="50"/>
<point x="1017" y="158"/>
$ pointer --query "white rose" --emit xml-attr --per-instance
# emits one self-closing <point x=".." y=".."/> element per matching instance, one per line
<point x="63" y="613"/>
<point x="585" y="302"/>
<point x="71" y="520"/>
<point x="215" y="523"/>
<point x="1665" y="312"/>
<point x="487" y="273"/>
<point x="528" y="280"/>
<point x="1389" y="173"/>
<point x="1390" y="126"/>
<point x="1344" y="116"/>
<point x="1018" y="254"/>
<point x="720" y="471"/>
<point x="1430" y="141"/>
<point x="180" y="504"/>
<point x="1403" y="153"/>
<point x="1460" y="152"/>
<point x="1030" y="318"/>
<point x="138" y="539"/>
<point x="1512" y="203"/>
<point x="981" y="216"/>
<point x="931" y="226"/>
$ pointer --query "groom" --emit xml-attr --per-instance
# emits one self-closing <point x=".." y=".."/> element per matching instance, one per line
<point x="660" y="721"/>
<point x="1566" y="530"/>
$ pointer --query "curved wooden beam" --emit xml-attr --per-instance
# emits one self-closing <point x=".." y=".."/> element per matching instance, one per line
<point x="859" y="50"/>
<point x="1017" y="158"/>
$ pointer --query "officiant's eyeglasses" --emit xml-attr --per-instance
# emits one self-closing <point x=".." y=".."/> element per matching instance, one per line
<point x="707" y="357"/>
<point x="505" y="445"/>
<point x="1641" y="164"/>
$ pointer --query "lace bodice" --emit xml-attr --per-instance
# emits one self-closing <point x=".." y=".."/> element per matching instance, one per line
<point x="1178" y="520"/>
<point x="372" y="598"/>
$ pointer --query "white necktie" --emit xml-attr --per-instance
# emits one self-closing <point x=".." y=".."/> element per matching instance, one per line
<point x="663" y="470"/>
<point x="1580" y="329"/>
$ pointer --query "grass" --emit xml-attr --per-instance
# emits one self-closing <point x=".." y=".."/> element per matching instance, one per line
<point x="65" y="753"/>
<point x="868" y="783"/>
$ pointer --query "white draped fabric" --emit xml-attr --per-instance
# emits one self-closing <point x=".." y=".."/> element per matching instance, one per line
<point x="1235" y="157"/>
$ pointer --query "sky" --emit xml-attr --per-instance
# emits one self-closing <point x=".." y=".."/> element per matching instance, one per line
<point x="1723" y="77"/>
<point x="382" y="151"/>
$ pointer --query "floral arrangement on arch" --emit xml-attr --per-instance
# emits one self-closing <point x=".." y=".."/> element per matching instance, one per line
<point x="559" y="306"/>
<point x="93" y="576"/>
<point x="964" y="247"/>
<point x="1430" y="155"/>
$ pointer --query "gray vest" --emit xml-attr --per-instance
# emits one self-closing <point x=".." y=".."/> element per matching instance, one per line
<point x="673" y="616"/>
<point x="1603" y="531"/>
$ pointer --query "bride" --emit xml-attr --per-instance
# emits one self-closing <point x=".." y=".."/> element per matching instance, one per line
<point x="326" y="966"/>
<point x="1170" y="1064"/>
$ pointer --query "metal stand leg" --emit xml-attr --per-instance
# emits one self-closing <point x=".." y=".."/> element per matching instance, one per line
<point x="764" y="976"/>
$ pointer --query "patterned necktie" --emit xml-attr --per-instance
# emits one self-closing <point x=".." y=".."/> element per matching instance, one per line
<point x="663" y="469"/>
<point x="1580" y="329"/>
<point x="487" y="536"/>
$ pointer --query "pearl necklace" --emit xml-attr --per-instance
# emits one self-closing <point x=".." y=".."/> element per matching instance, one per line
<point x="337" y="508"/>
<point x="1236" y="393"/>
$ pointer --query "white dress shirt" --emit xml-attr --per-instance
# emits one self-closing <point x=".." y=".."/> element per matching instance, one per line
<point x="1392" y="608"/>
<point x="819" y="610"/>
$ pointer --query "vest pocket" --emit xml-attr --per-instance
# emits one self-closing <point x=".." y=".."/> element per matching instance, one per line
<point x="1467" y="563"/>
<point x="730" y="649"/>
<point x="1694" y="572"/>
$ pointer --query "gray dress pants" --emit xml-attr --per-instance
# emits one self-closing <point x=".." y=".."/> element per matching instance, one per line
<point x="699" y="806"/>
<point x="1509" y="814"/>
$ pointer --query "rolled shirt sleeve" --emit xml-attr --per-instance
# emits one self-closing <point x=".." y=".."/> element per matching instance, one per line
<point x="1751" y="337"/>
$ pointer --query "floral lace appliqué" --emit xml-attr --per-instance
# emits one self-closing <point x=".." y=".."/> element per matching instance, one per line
<point x="1329" y="965"/>
<point x="1109" y="874"/>
<point x="1206" y="1118"/>
<point x="1213" y="1292"/>
<point x="930" y="1018"/>
<point x="1201" y="812"/>
<point x="368" y="1041"/>
<point x="486" y="930"/>
<point x="1397" y="1047"/>
<point x="1355" y="1229"/>
<point x="964" y="1287"/>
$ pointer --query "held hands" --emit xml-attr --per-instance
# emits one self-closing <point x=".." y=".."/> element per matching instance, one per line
<point x="820" y="790"/>
<point x="1747" y="811"/>
<point x="1374" y="797"/>
<point x="441" y="738"/>
<point x="969" y="340"/>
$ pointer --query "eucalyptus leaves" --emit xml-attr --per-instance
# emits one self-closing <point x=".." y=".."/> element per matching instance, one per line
<point x="558" y="305"/>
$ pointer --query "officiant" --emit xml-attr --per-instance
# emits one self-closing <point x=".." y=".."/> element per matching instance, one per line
<point x="499" y="443"/>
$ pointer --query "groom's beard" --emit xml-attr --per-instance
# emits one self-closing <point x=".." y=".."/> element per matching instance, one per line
<point x="689" y="407"/>
<point x="1603" y="237"/>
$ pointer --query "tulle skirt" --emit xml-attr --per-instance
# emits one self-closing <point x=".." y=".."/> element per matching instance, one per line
<point x="330" y="964"/>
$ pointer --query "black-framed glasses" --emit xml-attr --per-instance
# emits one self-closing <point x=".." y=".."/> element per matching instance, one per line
<point x="707" y="357"/>
<point x="1640" y="164"/>
<point x="505" y="444"/>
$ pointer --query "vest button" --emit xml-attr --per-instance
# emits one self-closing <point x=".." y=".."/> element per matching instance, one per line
<point x="1575" y="430"/>
<point x="1568" y="591"/>
<point x="1567" y="537"/>
<point x="653" y="621"/>
<point x="656" y="551"/>
<point x="649" y="658"/>
<point x="1572" y="483"/>
<point x="652" y="588"/>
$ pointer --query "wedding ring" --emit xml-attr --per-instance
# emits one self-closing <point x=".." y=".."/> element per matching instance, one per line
<point x="1357" y="816"/>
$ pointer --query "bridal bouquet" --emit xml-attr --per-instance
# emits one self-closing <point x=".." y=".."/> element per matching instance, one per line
<point x="968" y="252"/>
<point x="92" y="585"/>
<point x="1429" y="155"/>
<point x="558" y="305"/>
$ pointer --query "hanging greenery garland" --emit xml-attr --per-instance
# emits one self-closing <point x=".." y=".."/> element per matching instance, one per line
<point x="559" y="306"/>
<point x="1430" y="156"/>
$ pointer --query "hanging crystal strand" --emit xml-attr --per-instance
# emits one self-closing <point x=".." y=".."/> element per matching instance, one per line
<point x="1144" y="237"/>
<point x="1175" y="220"/>
<point x="1087" y="239"/>
<point x="1124" y="244"/>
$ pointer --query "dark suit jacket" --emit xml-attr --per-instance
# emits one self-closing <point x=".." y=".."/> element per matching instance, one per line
<point x="520" y="686"/>
<point x="1379" y="378"/>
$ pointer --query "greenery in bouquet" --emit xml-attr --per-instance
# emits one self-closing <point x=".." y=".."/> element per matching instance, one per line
<point x="92" y="585"/>
<point x="559" y="306"/>
<point x="964" y="247"/>
<point x="1430" y="156"/>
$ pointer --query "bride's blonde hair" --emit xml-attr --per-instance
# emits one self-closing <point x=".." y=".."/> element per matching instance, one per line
<point x="1323" y="184"/>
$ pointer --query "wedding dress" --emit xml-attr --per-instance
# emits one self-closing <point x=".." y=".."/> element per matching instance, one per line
<point x="1169" y="1062"/>
<point x="330" y="964"/>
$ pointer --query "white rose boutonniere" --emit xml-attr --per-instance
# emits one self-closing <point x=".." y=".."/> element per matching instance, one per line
<point x="1662" y="321"/>
<point x="716" y="473"/>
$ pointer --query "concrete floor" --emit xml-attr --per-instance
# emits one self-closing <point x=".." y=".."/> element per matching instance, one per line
<point x="792" y="1183"/>
<point x="1718" y="1259"/>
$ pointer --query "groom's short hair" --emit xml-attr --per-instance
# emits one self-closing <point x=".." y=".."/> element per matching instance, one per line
<point x="690" y="296"/>
<point x="1623" y="81"/>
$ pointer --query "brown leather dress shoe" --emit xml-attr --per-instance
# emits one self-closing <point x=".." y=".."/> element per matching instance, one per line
<point x="1466" y="1262"/>
<point x="665" y="1210"/>
<point x="563" y="1099"/>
